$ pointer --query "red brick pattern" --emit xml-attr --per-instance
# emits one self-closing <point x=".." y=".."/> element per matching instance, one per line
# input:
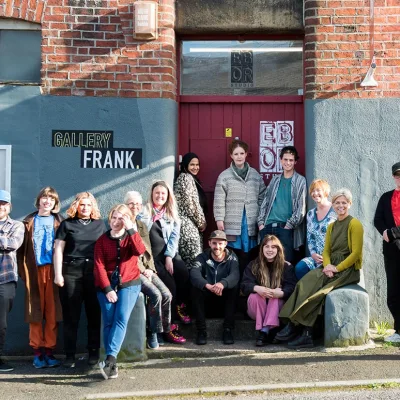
<point x="337" y="48"/>
<point x="88" y="48"/>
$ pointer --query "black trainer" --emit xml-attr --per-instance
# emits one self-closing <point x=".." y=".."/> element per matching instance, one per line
<point x="261" y="339"/>
<point x="303" y="341"/>
<point x="93" y="358"/>
<point x="69" y="361"/>
<point x="201" y="338"/>
<point x="4" y="367"/>
<point x="227" y="336"/>
<point x="289" y="332"/>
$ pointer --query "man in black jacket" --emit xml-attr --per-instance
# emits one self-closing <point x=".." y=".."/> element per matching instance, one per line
<point x="215" y="277"/>
<point x="387" y="222"/>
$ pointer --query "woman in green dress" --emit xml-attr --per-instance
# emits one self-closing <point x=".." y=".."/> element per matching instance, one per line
<point x="342" y="258"/>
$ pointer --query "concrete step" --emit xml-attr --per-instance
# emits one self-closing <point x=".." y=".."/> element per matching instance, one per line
<point x="244" y="329"/>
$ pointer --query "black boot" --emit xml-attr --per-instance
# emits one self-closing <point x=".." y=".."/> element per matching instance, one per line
<point x="304" y="341"/>
<point x="262" y="339"/>
<point x="289" y="332"/>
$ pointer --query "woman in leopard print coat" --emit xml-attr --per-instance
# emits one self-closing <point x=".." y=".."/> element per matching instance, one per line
<point x="191" y="205"/>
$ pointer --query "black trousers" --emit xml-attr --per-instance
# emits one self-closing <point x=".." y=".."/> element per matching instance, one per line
<point x="7" y="294"/>
<point x="79" y="288"/>
<point x="208" y="304"/>
<point x="178" y="283"/>
<point x="392" y="268"/>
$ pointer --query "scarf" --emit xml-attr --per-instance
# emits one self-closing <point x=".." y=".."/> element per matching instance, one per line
<point x="157" y="214"/>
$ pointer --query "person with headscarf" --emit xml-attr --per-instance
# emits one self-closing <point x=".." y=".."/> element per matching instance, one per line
<point x="192" y="204"/>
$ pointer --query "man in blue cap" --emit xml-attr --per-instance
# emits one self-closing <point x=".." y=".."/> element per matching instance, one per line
<point x="11" y="238"/>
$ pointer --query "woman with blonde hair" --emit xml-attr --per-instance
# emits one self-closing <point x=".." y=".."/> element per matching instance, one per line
<point x="268" y="281"/>
<point x="117" y="278"/>
<point x="342" y="261"/>
<point x="318" y="220"/>
<point x="73" y="270"/>
<point x="161" y="218"/>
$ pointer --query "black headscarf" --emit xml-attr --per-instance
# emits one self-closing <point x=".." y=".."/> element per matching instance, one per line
<point x="184" y="169"/>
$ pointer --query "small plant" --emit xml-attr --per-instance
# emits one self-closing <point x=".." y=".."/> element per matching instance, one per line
<point x="381" y="327"/>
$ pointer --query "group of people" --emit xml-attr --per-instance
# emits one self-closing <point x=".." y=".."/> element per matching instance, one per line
<point x="157" y="249"/>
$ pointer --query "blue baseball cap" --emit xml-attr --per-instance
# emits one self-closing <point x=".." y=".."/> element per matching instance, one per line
<point x="5" y="196"/>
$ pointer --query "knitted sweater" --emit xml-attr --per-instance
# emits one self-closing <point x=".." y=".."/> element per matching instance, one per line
<point x="233" y="195"/>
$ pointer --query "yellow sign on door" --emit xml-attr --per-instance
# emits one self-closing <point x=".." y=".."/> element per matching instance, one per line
<point x="228" y="132"/>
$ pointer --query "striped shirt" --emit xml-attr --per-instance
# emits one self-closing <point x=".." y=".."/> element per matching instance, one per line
<point x="11" y="238"/>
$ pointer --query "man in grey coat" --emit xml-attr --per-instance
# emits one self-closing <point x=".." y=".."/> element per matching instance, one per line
<point x="215" y="277"/>
<point x="284" y="206"/>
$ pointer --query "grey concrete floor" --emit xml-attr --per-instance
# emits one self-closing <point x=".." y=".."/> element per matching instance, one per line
<point x="256" y="368"/>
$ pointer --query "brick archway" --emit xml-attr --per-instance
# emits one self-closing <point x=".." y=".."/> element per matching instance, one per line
<point x="27" y="10"/>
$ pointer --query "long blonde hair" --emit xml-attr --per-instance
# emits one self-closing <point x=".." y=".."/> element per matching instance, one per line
<point x="73" y="208"/>
<point x="269" y="274"/>
<point x="171" y="210"/>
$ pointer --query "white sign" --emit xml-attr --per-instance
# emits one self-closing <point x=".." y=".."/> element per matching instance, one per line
<point x="274" y="135"/>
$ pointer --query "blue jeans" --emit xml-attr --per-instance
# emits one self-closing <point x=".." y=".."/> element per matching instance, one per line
<point x="284" y="235"/>
<point x="116" y="317"/>
<point x="301" y="269"/>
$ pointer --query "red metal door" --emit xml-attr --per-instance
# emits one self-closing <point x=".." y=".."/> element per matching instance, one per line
<point x="203" y="122"/>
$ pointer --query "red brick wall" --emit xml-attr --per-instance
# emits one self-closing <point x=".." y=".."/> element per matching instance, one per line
<point x="337" y="46"/>
<point x="88" y="48"/>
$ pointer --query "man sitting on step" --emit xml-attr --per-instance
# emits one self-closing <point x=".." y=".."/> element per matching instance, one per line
<point x="215" y="277"/>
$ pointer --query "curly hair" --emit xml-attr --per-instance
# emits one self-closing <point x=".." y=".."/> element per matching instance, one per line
<point x="73" y="208"/>
<point x="48" y="191"/>
<point x="269" y="274"/>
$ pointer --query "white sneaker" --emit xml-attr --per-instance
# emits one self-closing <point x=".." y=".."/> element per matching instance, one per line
<point x="395" y="338"/>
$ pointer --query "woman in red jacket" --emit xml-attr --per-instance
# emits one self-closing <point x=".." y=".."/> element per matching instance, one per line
<point x="117" y="277"/>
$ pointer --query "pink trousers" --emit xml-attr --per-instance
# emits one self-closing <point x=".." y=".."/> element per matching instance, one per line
<point x="264" y="313"/>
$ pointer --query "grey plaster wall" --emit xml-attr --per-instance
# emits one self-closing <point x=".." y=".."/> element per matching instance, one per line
<point x="354" y="143"/>
<point x="232" y="16"/>
<point x="27" y="120"/>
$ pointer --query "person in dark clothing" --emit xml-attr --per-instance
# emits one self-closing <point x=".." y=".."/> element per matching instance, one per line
<point x="268" y="281"/>
<point x="11" y="238"/>
<point x="73" y="271"/>
<point x="215" y="277"/>
<point x="387" y="222"/>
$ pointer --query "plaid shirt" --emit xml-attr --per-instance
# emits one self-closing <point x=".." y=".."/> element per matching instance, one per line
<point x="11" y="238"/>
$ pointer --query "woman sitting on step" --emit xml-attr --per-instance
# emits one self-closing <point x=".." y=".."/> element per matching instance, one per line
<point x="269" y="281"/>
<point x="342" y="258"/>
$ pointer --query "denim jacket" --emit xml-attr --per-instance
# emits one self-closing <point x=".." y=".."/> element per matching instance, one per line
<point x="170" y="229"/>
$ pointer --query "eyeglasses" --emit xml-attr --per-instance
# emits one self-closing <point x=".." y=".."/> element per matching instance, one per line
<point x="134" y="204"/>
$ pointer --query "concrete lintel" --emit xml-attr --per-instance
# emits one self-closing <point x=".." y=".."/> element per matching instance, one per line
<point x="239" y="17"/>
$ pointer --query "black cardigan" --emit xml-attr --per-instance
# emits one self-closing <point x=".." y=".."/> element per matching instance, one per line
<point x="384" y="220"/>
<point x="289" y="280"/>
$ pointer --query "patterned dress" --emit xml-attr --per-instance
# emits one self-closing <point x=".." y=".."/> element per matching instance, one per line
<point x="192" y="217"/>
<point x="316" y="231"/>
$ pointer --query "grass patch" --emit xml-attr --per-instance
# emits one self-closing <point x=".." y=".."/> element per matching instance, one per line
<point x="382" y="327"/>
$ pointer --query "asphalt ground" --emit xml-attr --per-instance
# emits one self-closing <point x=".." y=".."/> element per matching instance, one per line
<point x="248" y="372"/>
